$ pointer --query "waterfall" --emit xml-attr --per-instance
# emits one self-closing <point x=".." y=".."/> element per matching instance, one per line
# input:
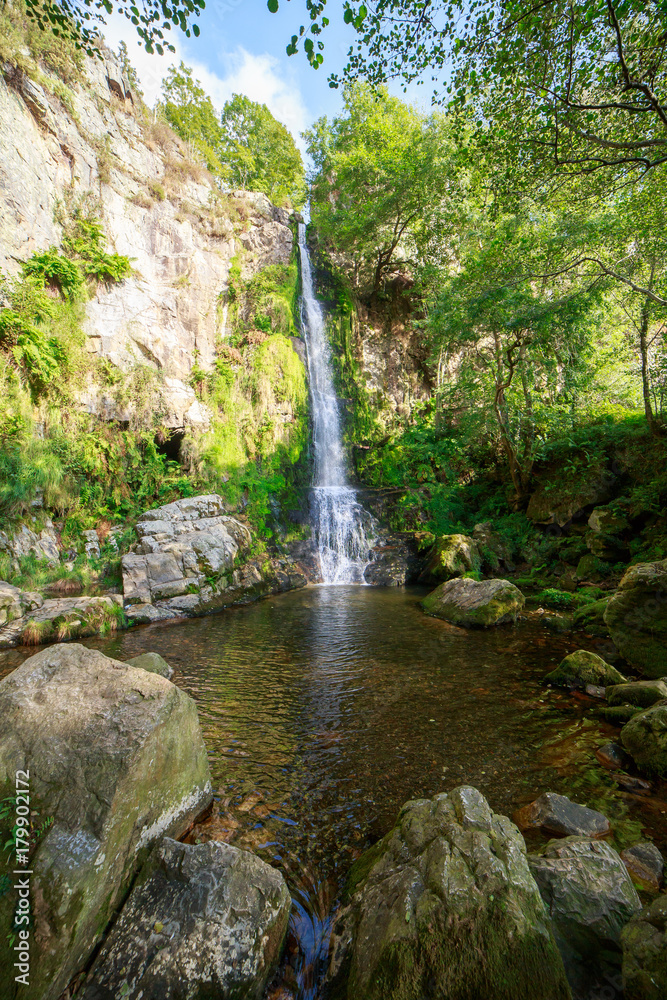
<point x="343" y="529"/>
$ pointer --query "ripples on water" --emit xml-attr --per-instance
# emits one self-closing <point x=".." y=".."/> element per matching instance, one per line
<point x="325" y="709"/>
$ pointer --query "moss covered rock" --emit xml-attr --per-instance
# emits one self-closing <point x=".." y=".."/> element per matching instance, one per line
<point x="642" y="693"/>
<point x="447" y="908"/>
<point x="471" y="604"/>
<point x="581" y="668"/>
<point x="645" y="738"/>
<point x="590" y="618"/>
<point x="116" y="759"/>
<point x="153" y="663"/>
<point x="636" y="617"/>
<point x="644" y="941"/>
<point x="452" y="556"/>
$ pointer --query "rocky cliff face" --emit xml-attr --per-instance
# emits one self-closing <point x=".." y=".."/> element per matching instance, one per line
<point x="91" y="139"/>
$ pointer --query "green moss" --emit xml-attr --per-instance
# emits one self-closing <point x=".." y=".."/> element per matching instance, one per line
<point x="361" y="868"/>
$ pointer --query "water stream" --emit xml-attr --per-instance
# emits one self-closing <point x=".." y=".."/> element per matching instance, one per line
<point x="342" y="528"/>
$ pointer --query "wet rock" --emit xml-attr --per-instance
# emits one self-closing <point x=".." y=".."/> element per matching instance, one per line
<point x="397" y="559"/>
<point x="451" y="556"/>
<point x="556" y="814"/>
<point x="591" y="618"/>
<point x="619" y="714"/>
<point x="581" y="668"/>
<point x="153" y="663"/>
<point x="645" y="738"/>
<point x="636" y="617"/>
<point x="644" y="941"/>
<point x="590" y="568"/>
<point x="645" y="864"/>
<point x="471" y="604"/>
<point x="590" y="897"/>
<point x="642" y="693"/>
<point x="557" y="623"/>
<point x="613" y="756"/>
<point x="62" y="618"/>
<point x="116" y="759"/>
<point x="144" y="614"/>
<point x="203" y="920"/>
<point x="631" y="783"/>
<point x="446" y="906"/>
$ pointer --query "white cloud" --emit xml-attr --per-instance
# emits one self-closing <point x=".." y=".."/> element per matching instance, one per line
<point x="259" y="77"/>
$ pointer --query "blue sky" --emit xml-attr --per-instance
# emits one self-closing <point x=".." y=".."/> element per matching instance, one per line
<point x="241" y="48"/>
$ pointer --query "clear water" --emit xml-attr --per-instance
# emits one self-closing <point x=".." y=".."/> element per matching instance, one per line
<point x="325" y="709"/>
<point x="343" y="529"/>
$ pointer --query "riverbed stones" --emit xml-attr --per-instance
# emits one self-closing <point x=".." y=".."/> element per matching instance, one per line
<point x="153" y="663"/>
<point x="445" y="906"/>
<point x="642" y="693"/>
<point x="475" y="605"/>
<point x="645" y="864"/>
<point x="206" y="920"/>
<point x="581" y="668"/>
<point x="644" y="941"/>
<point x="590" y="897"/>
<point x="645" y="739"/>
<point x="116" y="760"/>
<point x="451" y="556"/>
<point x="636" y="617"/>
<point x="558" y="815"/>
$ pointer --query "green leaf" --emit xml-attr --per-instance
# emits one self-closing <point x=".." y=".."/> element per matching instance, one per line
<point x="273" y="6"/>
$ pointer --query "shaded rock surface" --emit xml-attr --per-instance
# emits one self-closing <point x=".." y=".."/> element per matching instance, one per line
<point x="202" y="921"/>
<point x="451" y="556"/>
<point x="471" y="604"/>
<point x="581" y="668"/>
<point x="558" y="815"/>
<point x="23" y="541"/>
<point x="645" y="863"/>
<point x="494" y="552"/>
<point x="642" y="693"/>
<point x="636" y="617"/>
<point x="116" y="759"/>
<point x="645" y="738"/>
<point x="446" y="906"/>
<point x="590" y="897"/>
<point x="644" y="941"/>
<point x="590" y="618"/>
<point x="398" y="558"/>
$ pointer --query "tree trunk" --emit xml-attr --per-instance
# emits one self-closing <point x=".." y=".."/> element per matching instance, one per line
<point x="643" y="348"/>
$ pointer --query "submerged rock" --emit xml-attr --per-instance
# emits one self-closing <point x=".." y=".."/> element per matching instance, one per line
<point x="116" y="760"/>
<point x="636" y="617"/>
<point x="644" y="941"/>
<point x="445" y="906"/>
<point x="153" y="663"/>
<point x="613" y="756"/>
<point x="201" y="921"/>
<point x="590" y="897"/>
<point x="642" y="693"/>
<point x="451" y="556"/>
<point x="645" y="738"/>
<point x="645" y="864"/>
<point x="558" y="815"/>
<point x="581" y="668"/>
<point x="471" y="604"/>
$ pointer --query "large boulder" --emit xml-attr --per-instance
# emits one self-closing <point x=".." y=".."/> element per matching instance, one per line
<point x="581" y="668"/>
<point x="645" y="739"/>
<point x="590" y="897"/>
<point x="397" y="558"/>
<point x="201" y="921"/>
<point x="636" y="617"/>
<point x="642" y="693"/>
<point x="495" y="553"/>
<point x="644" y="941"/>
<point x="116" y="760"/>
<point x="451" y="556"/>
<point x="471" y="604"/>
<point x="445" y="906"/>
<point x="154" y="663"/>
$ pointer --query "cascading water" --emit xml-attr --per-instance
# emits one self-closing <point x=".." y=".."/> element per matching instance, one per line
<point x="343" y="529"/>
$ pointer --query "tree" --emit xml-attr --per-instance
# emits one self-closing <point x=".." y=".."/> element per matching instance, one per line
<point x="260" y="151"/>
<point x="380" y="167"/>
<point x="190" y="112"/>
<point x="79" y="20"/>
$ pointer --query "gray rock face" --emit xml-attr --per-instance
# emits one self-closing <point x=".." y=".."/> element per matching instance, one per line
<point x="15" y="603"/>
<point x="445" y="906"/>
<point x="590" y="897"/>
<point x="91" y="544"/>
<point x="475" y="605"/>
<point x="645" y="863"/>
<point x="23" y="541"/>
<point x="644" y="941"/>
<point x="396" y="560"/>
<point x="556" y="814"/>
<point x="153" y="663"/>
<point x="182" y="546"/>
<point x="207" y="921"/>
<point x="116" y="759"/>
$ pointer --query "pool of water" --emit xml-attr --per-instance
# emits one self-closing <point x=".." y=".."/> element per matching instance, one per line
<point x="325" y="709"/>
